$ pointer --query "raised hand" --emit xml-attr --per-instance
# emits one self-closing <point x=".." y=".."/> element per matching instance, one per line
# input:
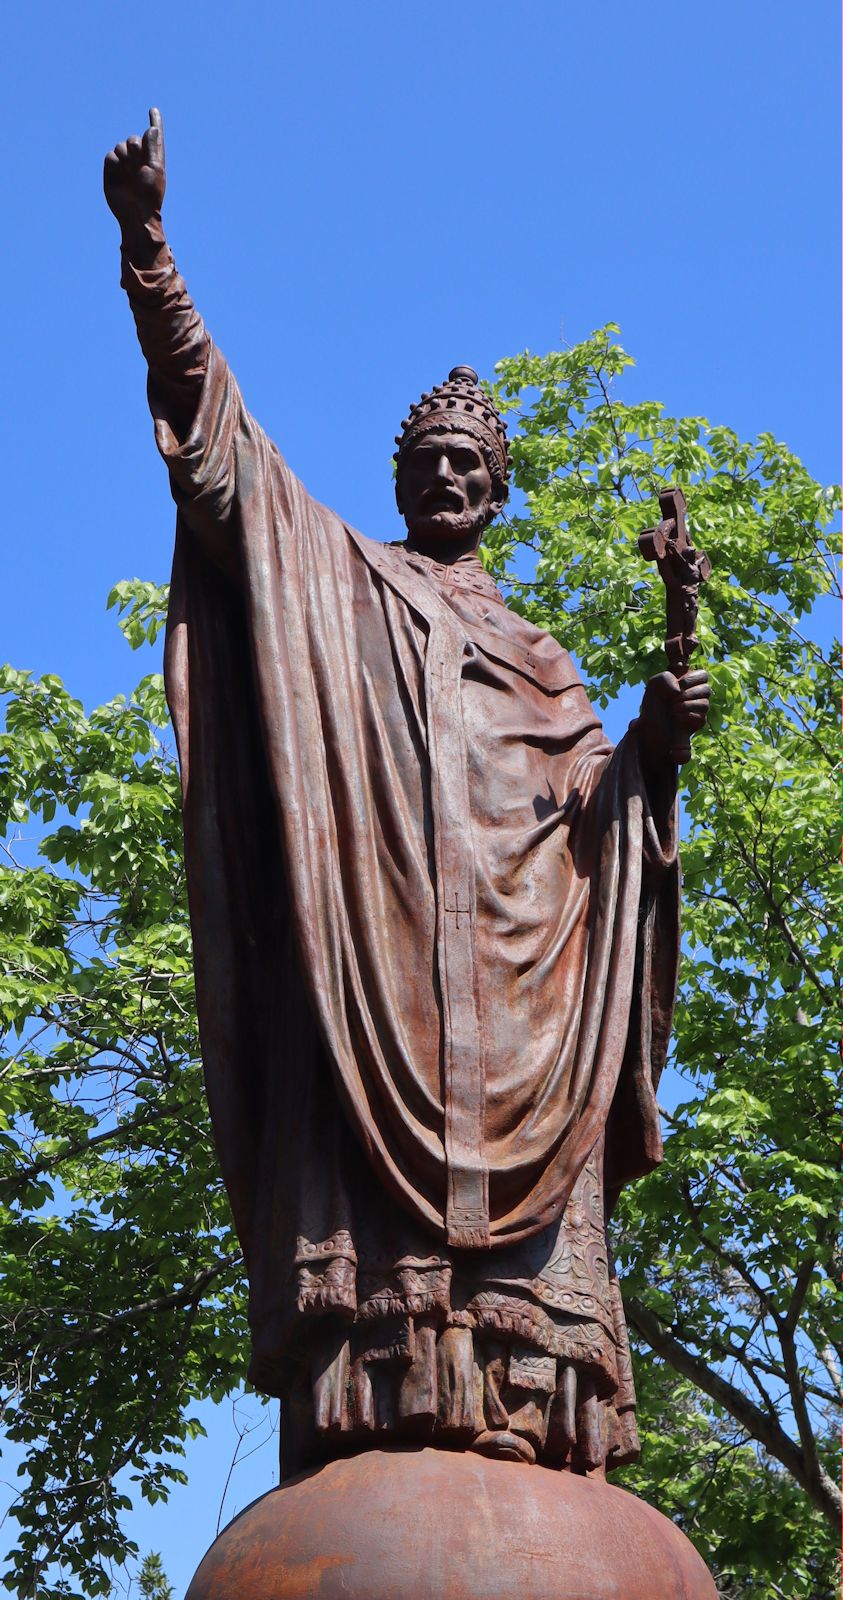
<point x="135" y="177"/>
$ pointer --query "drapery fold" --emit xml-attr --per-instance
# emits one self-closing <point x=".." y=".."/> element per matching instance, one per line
<point x="417" y="871"/>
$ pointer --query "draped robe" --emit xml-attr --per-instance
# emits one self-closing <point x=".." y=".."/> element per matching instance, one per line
<point x="435" y="940"/>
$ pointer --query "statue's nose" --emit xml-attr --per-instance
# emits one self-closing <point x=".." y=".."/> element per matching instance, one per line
<point x="443" y="468"/>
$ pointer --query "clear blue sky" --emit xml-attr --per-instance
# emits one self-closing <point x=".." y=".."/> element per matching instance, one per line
<point x="361" y="197"/>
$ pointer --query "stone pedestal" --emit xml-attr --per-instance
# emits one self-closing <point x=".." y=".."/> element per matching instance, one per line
<point x="423" y="1524"/>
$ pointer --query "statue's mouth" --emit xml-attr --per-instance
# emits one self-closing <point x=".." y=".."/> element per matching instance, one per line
<point x="441" y="500"/>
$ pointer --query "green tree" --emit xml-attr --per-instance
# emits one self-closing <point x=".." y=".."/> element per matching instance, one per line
<point x="122" y="1298"/>
<point x="742" y="1510"/>
<point x="152" y="1580"/>
<point x="726" y="1249"/>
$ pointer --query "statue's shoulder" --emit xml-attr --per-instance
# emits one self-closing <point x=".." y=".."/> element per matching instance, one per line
<point x="490" y="624"/>
<point x="389" y="562"/>
<point x="511" y="637"/>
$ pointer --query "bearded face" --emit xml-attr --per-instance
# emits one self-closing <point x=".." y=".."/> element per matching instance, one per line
<point x="446" y="493"/>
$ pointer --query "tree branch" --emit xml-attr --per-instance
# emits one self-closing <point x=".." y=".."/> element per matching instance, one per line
<point x="82" y="1492"/>
<point x="818" y="1486"/>
<point x="188" y="1294"/>
<point x="780" y="920"/>
<point x="11" y="1186"/>
<point x="728" y="1257"/>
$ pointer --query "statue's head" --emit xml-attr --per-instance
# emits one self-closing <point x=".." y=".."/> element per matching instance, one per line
<point x="451" y="466"/>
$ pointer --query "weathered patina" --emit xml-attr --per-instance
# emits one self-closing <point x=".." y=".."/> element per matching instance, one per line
<point x="414" y="1525"/>
<point x="435" y="920"/>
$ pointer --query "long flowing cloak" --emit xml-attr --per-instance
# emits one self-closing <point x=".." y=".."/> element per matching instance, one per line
<point x="434" y="918"/>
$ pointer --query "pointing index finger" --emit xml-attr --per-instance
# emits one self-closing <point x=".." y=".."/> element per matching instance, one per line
<point x="155" y="135"/>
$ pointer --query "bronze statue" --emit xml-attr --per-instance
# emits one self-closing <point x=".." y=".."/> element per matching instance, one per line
<point x="435" y="919"/>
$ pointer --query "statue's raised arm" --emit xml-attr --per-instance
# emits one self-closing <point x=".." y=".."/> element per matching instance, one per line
<point x="195" y="403"/>
<point x="211" y="444"/>
<point x="171" y="333"/>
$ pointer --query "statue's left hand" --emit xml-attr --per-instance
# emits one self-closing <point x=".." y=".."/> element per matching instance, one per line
<point x="672" y="710"/>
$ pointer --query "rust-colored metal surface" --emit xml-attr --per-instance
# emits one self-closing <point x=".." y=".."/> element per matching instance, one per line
<point x="435" y="923"/>
<point x="682" y="568"/>
<point x="431" y="1524"/>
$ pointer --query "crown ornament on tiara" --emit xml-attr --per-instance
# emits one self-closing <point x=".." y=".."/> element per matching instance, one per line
<point x="459" y="406"/>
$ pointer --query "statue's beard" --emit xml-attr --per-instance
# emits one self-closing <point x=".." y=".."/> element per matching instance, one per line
<point x="450" y="526"/>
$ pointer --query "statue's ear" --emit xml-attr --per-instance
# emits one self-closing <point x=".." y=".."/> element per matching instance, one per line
<point x="496" y="506"/>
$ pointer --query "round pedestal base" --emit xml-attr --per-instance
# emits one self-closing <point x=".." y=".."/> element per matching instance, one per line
<point x="420" y="1524"/>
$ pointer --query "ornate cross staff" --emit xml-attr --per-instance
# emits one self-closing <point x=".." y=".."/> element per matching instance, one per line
<point x="682" y="569"/>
